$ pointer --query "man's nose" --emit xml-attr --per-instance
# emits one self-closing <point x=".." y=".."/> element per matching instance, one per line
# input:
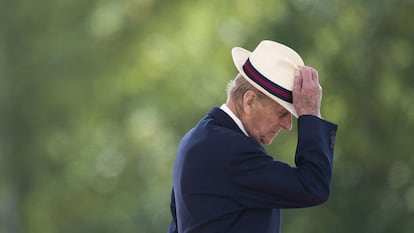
<point x="287" y="122"/>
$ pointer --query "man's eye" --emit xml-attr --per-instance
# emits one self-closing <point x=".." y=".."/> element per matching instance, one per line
<point x="282" y="114"/>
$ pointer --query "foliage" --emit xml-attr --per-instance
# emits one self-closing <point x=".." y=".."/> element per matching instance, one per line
<point x="95" y="95"/>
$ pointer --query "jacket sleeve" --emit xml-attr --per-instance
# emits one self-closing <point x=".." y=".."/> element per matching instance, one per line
<point x="258" y="181"/>
<point x="172" y="228"/>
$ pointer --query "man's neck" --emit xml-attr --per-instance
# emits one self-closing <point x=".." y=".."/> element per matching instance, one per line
<point x="230" y="109"/>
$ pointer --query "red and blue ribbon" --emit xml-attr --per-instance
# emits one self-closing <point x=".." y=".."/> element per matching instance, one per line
<point x="267" y="84"/>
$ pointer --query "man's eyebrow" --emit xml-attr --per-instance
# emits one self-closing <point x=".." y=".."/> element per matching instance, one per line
<point x="283" y="112"/>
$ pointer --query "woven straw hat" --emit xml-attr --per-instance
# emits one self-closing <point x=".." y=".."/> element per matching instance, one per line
<point x="271" y="69"/>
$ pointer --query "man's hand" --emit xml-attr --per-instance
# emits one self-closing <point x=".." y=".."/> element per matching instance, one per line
<point x="307" y="92"/>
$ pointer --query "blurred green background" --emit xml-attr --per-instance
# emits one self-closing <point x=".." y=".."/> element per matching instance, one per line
<point x="96" y="94"/>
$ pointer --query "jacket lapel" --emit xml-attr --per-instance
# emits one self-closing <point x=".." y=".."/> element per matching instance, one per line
<point x="224" y="119"/>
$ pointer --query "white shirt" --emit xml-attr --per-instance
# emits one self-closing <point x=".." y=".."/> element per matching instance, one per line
<point x="234" y="117"/>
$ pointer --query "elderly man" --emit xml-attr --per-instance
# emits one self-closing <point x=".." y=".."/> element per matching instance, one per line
<point x="223" y="179"/>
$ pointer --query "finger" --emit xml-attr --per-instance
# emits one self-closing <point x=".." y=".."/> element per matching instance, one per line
<point x="298" y="80"/>
<point x="315" y="75"/>
<point x="306" y="76"/>
<point x="306" y="72"/>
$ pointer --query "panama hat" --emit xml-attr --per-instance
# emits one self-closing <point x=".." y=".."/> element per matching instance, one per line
<point x="271" y="69"/>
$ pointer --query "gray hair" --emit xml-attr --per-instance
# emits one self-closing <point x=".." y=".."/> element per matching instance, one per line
<point x="237" y="87"/>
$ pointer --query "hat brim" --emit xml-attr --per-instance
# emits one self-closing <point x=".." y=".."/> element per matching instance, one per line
<point x="240" y="56"/>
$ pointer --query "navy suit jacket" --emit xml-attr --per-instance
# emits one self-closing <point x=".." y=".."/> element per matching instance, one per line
<point x="225" y="182"/>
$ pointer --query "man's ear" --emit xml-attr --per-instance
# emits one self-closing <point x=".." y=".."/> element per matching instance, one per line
<point x="249" y="101"/>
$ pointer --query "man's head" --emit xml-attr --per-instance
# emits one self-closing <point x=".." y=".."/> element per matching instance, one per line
<point x="270" y="68"/>
<point x="261" y="116"/>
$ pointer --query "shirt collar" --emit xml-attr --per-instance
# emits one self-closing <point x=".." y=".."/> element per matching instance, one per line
<point x="227" y="110"/>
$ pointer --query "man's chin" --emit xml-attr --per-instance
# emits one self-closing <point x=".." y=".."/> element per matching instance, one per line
<point x="267" y="141"/>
